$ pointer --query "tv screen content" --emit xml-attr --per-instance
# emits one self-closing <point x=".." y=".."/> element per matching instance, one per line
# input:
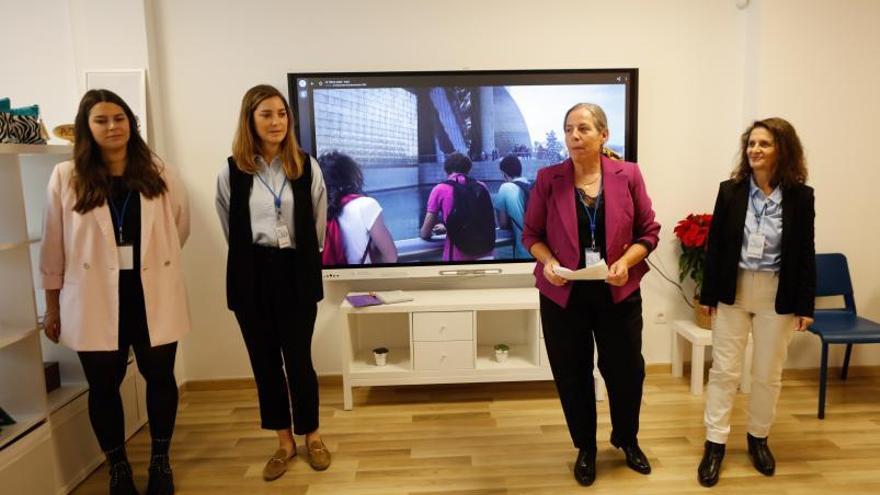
<point x="435" y="168"/>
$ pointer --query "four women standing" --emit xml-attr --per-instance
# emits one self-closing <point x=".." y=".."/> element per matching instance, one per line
<point x="117" y="209"/>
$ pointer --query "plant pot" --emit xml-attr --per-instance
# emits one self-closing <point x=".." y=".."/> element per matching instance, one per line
<point x="702" y="317"/>
<point x="381" y="359"/>
<point x="501" y="356"/>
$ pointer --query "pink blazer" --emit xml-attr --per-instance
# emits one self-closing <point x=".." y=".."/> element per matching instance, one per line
<point x="552" y="219"/>
<point x="78" y="255"/>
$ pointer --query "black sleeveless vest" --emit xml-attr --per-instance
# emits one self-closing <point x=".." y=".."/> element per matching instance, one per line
<point x="240" y="276"/>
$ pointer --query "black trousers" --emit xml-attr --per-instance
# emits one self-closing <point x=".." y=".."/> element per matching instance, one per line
<point x="278" y="336"/>
<point x="569" y="334"/>
<point x="105" y="371"/>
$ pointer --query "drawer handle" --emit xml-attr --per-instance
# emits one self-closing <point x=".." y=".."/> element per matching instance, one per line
<point x="442" y="327"/>
<point x="443" y="357"/>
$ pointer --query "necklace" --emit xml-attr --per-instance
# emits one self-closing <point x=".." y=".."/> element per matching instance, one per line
<point x="584" y="183"/>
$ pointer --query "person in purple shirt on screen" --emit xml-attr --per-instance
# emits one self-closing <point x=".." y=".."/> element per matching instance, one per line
<point x="476" y="227"/>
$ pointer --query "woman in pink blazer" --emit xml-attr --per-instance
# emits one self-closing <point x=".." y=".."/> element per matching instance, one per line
<point x="587" y="209"/>
<point x="116" y="218"/>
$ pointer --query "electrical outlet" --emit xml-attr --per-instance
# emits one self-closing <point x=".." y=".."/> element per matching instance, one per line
<point x="660" y="318"/>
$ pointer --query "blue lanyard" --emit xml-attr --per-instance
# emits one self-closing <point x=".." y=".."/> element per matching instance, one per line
<point x="592" y="217"/>
<point x="120" y="218"/>
<point x="759" y="215"/>
<point x="276" y="197"/>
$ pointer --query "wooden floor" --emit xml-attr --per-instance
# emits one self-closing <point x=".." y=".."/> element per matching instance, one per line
<point x="510" y="438"/>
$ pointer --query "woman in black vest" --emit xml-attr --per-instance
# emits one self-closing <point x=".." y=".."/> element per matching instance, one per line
<point x="273" y="207"/>
<point x="760" y="278"/>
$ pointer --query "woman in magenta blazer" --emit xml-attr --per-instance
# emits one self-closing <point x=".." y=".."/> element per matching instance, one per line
<point x="583" y="210"/>
<point x="116" y="218"/>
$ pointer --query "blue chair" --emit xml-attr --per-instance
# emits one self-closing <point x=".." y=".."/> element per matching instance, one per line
<point x="838" y="326"/>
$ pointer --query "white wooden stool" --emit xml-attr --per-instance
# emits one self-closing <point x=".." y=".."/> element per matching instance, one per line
<point x="699" y="338"/>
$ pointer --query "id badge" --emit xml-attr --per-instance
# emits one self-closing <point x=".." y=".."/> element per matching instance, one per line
<point x="591" y="257"/>
<point x="755" y="249"/>
<point x="283" y="236"/>
<point x="125" y="253"/>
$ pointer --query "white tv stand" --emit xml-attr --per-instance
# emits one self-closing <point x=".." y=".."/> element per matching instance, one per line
<point x="447" y="336"/>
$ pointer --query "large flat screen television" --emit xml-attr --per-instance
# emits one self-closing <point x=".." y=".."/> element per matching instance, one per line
<point x="402" y="150"/>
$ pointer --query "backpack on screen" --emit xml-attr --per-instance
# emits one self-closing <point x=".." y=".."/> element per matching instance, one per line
<point x="471" y="223"/>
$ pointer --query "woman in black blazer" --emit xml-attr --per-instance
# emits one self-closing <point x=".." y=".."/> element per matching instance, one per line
<point x="760" y="277"/>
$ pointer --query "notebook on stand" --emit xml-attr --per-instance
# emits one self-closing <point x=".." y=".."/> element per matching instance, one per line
<point x="360" y="300"/>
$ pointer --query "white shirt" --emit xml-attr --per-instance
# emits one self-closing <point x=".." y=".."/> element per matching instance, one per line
<point x="262" y="203"/>
<point x="355" y="221"/>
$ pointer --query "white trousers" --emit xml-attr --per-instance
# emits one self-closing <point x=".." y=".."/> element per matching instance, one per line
<point x="752" y="311"/>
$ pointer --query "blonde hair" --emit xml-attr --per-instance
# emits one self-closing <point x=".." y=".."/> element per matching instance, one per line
<point x="245" y="146"/>
<point x="599" y="118"/>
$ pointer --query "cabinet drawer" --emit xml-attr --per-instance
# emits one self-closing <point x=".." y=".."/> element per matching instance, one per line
<point x="443" y="326"/>
<point x="454" y="355"/>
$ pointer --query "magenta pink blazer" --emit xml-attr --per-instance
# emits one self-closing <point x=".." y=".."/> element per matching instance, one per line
<point x="552" y="219"/>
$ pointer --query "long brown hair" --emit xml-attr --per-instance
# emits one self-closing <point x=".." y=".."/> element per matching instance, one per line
<point x="246" y="144"/>
<point x="91" y="178"/>
<point x="791" y="166"/>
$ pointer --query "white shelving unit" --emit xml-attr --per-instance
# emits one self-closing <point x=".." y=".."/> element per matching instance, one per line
<point x="446" y="336"/>
<point x="50" y="428"/>
<point x="23" y="445"/>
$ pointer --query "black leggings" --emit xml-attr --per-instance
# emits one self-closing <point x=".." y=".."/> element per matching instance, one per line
<point x="105" y="370"/>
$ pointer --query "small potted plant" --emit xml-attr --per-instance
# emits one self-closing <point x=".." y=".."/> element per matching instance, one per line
<point x="380" y="354"/>
<point x="501" y="352"/>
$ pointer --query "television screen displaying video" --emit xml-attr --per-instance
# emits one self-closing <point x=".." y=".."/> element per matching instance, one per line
<point x="427" y="168"/>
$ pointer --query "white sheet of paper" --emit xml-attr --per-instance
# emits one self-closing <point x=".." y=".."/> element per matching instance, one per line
<point x="599" y="271"/>
<point x="393" y="296"/>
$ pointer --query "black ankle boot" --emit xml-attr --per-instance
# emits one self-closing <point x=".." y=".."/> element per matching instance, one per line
<point x="760" y="455"/>
<point x="635" y="458"/>
<point x="121" y="480"/>
<point x="710" y="466"/>
<point x="161" y="478"/>
<point x="585" y="467"/>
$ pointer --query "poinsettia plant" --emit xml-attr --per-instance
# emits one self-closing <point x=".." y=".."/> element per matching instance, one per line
<point x="693" y="232"/>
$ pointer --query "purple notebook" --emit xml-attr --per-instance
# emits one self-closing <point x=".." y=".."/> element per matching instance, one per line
<point x="361" y="300"/>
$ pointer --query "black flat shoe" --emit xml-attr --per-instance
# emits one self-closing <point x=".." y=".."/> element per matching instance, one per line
<point x="585" y="467"/>
<point x="710" y="466"/>
<point x="760" y="455"/>
<point x="635" y="458"/>
<point x="121" y="480"/>
<point x="161" y="478"/>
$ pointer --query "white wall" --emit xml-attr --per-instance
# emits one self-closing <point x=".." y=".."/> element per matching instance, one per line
<point x="37" y="65"/>
<point x="818" y="65"/>
<point x="706" y="69"/>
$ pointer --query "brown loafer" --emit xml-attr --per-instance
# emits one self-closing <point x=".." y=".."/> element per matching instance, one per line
<point x="319" y="456"/>
<point x="277" y="464"/>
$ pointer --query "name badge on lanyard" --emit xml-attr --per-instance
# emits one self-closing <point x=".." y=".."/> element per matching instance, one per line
<point x="757" y="240"/>
<point x="282" y="233"/>
<point x="283" y="236"/>
<point x="124" y="247"/>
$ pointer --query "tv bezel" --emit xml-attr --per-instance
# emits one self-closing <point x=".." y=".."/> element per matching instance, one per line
<point x="459" y="268"/>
